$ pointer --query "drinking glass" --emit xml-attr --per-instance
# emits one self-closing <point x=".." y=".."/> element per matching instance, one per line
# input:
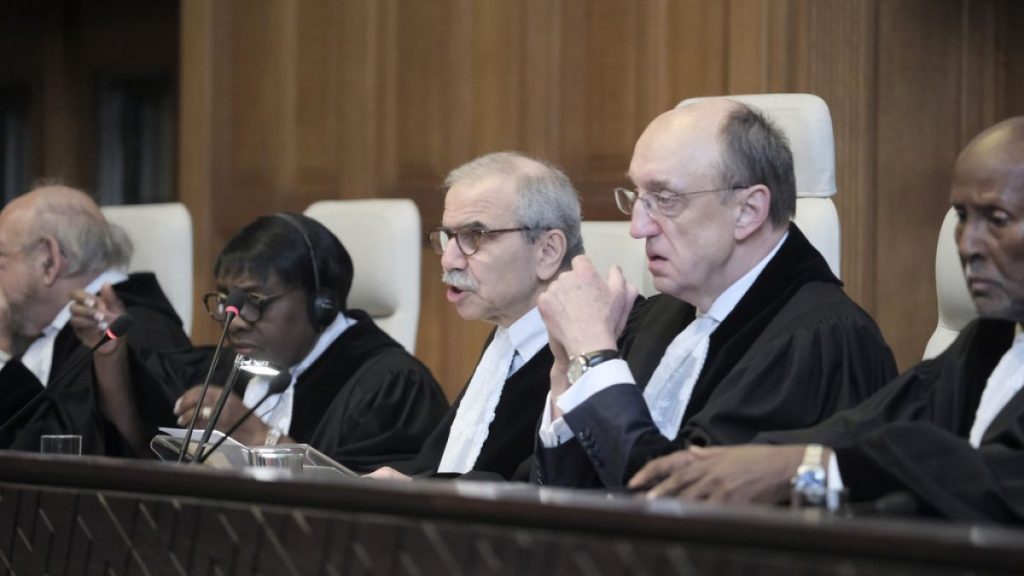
<point x="65" y="444"/>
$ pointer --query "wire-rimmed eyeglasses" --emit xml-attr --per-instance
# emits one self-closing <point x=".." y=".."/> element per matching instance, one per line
<point x="668" y="204"/>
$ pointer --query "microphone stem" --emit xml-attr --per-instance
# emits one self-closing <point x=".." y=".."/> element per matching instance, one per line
<point x="202" y="393"/>
<point x="219" y="407"/>
<point x="74" y="365"/>
<point x="204" y="455"/>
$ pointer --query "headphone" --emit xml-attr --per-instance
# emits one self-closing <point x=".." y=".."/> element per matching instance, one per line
<point x="322" y="306"/>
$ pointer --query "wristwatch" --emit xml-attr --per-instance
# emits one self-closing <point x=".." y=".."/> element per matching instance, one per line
<point x="580" y="363"/>
<point x="809" y="486"/>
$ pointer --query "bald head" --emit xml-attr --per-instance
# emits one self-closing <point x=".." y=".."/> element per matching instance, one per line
<point x="71" y="217"/>
<point x="996" y="152"/>
<point x="726" y="143"/>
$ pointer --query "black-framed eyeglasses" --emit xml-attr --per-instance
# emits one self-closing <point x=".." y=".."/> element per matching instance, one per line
<point x="668" y="204"/>
<point x="468" y="239"/>
<point x="251" y="311"/>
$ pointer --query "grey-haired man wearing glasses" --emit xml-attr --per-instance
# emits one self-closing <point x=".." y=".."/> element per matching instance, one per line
<point x="511" y="224"/>
<point x="752" y="330"/>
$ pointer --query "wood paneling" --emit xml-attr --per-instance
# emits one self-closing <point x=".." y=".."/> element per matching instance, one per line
<point x="287" y="102"/>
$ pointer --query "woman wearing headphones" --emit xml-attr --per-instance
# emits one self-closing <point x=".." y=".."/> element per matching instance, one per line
<point x="356" y="394"/>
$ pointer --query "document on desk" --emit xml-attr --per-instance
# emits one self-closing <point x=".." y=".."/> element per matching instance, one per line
<point x="230" y="454"/>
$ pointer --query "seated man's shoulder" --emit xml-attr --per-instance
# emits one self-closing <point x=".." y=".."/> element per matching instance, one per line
<point x="824" y="302"/>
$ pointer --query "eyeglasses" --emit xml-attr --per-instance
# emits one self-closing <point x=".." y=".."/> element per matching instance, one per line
<point x="252" y="309"/>
<point x="468" y="239"/>
<point x="668" y="204"/>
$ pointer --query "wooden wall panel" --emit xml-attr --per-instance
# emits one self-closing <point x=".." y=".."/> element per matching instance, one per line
<point x="838" y="55"/>
<point x="287" y="102"/>
<point x="919" y="135"/>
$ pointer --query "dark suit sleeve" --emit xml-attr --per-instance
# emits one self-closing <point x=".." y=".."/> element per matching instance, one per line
<point x="606" y="428"/>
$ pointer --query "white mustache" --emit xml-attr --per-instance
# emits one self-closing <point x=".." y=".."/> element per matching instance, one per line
<point x="459" y="279"/>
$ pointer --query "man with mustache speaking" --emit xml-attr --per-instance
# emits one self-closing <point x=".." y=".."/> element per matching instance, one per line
<point x="511" y="224"/>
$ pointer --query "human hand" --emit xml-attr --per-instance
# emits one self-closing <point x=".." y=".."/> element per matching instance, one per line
<point x="736" y="474"/>
<point x="253" y="431"/>
<point x="387" y="473"/>
<point x="584" y="312"/>
<point x="91" y="315"/>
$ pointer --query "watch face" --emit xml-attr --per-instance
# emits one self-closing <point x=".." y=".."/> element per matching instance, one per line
<point x="576" y="367"/>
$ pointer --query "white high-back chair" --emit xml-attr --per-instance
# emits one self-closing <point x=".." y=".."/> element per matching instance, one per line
<point x="384" y="239"/>
<point x="956" y="309"/>
<point x="608" y="243"/>
<point x="807" y="123"/>
<point x="161" y="237"/>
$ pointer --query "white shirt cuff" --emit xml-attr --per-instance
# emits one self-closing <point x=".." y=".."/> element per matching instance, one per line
<point x="834" y="480"/>
<point x="833" y="483"/>
<point x="554" y="433"/>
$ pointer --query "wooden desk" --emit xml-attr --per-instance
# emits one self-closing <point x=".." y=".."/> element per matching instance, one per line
<point x="104" y="516"/>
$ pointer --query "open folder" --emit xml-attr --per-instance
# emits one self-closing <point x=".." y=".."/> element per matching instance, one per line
<point x="233" y="454"/>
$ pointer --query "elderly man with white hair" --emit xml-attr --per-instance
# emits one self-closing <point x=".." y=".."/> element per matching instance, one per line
<point x="57" y="252"/>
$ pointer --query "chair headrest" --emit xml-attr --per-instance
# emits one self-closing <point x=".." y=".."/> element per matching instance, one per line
<point x="153" y="228"/>
<point x="956" y="308"/>
<point x="807" y="123"/>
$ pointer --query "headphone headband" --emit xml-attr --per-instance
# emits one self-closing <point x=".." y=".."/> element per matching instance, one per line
<point x="323" y="306"/>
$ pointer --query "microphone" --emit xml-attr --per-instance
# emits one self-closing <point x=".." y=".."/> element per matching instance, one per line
<point x="276" y="386"/>
<point x="118" y="328"/>
<point x="236" y="299"/>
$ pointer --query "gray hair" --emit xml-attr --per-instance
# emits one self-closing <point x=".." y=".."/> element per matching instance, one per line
<point x="545" y="198"/>
<point x="755" y="151"/>
<point x="86" y="239"/>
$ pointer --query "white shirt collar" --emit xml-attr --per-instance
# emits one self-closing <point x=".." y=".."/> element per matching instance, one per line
<point x="726" y="301"/>
<point x="278" y="414"/>
<point x="335" y="329"/>
<point x="528" y="334"/>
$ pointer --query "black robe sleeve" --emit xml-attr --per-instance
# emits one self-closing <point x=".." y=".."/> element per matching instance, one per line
<point x="385" y="412"/>
<point x="911" y="436"/>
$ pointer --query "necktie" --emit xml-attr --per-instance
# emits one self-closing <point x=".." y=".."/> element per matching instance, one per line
<point x="668" y="392"/>
<point x="476" y="411"/>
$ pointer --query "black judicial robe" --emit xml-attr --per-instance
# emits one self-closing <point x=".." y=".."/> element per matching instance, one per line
<point x="912" y="435"/>
<point x="70" y="407"/>
<point x="366" y="401"/>
<point x="793" y="351"/>
<point x="510" y="436"/>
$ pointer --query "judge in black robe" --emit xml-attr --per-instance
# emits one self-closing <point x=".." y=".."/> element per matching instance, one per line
<point x="363" y="400"/>
<point x="510" y="436"/>
<point x="793" y="351"/>
<point x="911" y="436"/>
<point x="70" y="405"/>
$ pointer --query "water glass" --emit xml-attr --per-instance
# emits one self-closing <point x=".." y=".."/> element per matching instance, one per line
<point x="65" y="444"/>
